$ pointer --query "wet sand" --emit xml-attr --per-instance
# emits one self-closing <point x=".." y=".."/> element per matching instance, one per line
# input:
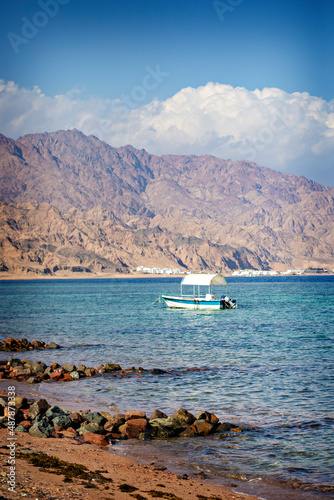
<point x="118" y="477"/>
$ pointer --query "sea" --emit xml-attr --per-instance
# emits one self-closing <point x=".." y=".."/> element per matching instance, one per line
<point x="266" y="367"/>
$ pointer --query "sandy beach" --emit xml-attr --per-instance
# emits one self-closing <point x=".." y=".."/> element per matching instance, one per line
<point x="117" y="477"/>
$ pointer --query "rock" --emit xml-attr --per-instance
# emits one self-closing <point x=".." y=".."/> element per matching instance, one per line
<point x="76" y="419"/>
<point x="203" y="427"/>
<point x="56" y="375"/>
<point x="26" y="424"/>
<point x="53" y="412"/>
<point x="81" y="368"/>
<point x="90" y="372"/>
<point x="52" y="345"/>
<point x="95" y="417"/>
<point x="21" y="402"/>
<point x="145" y="436"/>
<point x="14" y="362"/>
<point x="37" y="344"/>
<point x="112" y="367"/>
<point x="41" y="429"/>
<point x="66" y="377"/>
<point x="20" y="428"/>
<point x="92" y="427"/>
<point x="19" y="371"/>
<point x="225" y="426"/>
<point x="132" y="428"/>
<point x="183" y="417"/>
<point x="96" y="439"/>
<point x="62" y="421"/>
<point x="189" y="431"/>
<point x="54" y="366"/>
<point x="75" y="375"/>
<point x="165" y="428"/>
<point x="134" y="414"/>
<point x="32" y="380"/>
<point x="157" y="371"/>
<point x="69" y="368"/>
<point x="106" y="415"/>
<point x="158" y="414"/>
<point x="118" y="419"/>
<point x="110" y="427"/>
<point x="209" y="417"/>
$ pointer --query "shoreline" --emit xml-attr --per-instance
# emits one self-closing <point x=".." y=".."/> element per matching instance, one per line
<point x="142" y="452"/>
<point x="122" y="276"/>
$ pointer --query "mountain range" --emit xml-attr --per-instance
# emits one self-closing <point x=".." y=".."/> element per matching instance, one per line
<point x="72" y="203"/>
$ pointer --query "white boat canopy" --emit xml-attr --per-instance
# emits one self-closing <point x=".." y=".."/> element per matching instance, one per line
<point x="204" y="279"/>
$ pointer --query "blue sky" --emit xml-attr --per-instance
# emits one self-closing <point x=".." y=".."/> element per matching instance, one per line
<point x="102" y="50"/>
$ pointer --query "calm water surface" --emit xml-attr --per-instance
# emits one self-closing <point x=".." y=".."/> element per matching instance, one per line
<point x="268" y="364"/>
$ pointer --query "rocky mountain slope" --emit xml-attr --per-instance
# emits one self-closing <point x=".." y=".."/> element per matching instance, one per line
<point x="72" y="202"/>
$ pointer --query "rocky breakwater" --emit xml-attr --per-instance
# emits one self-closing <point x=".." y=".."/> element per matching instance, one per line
<point x="37" y="371"/>
<point x="42" y="420"/>
<point x="11" y="344"/>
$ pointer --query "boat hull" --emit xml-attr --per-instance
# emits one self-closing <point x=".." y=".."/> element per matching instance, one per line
<point x="192" y="303"/>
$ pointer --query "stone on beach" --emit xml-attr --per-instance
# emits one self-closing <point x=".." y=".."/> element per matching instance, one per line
<point x="39" y="407"/>
<point x="183" y="417"/>
<point x="134" y="414"/>
<point x="158" y="414"/>
<point x="96" y="439"/>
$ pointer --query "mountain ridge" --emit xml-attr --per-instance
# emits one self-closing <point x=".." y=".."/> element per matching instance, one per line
<point x="242" y="215"/>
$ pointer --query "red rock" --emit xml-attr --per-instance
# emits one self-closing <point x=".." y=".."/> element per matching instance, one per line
<point x="214" y="419"/>
<point x="134" y="414"/>
<point x="138" y="423"/>
<point x="26" y="424"/>
<point x="55" y="375"/>
<point x="66" y="377"/>
<point x="26" y="412"/>
<point x="203" y="427"/>
<point x="96" y="439"/>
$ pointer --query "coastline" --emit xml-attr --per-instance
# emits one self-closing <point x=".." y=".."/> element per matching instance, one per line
<point x="90" y="276"/>
<point x="125" y="478"/>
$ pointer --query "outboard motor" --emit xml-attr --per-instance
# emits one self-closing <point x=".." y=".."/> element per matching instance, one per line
<point x="229" y="303"/>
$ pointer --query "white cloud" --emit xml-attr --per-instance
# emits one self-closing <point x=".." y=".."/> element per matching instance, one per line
<point x="289" y="132"/>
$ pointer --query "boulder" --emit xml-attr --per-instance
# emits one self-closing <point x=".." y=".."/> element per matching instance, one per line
<point x="203" y="427"/>
<point x="21" y="402"/>
<point x="183" y="417"/>
<point x="54" y="366"/>
<point x="118" y="419"/>
<point x="96" y="439"/>
<point x="92" y="427"/>
<point x="95" y="417"/>
<point x="189" y="431"/>
<point x="165" y="428"/>
<point x="53" y="345"/>
<point x="132" y="428"/>
<point x="75" y="375"/>
<point x="41" y="429"/>
<point x="134" y="414"/>
<point x="69" y="368"/>
<point x="39" y="408"/>
<point x="62" y="421"/>
<point x="76" y="419"/>
<point x="53" y="412"/>
<point x="112" y="367"/>
<point x="158" y="414"/>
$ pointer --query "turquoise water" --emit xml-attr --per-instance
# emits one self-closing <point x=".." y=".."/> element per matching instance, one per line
<point x="268" y="364"/>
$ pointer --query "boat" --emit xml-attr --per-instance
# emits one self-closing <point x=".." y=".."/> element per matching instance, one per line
<point x="200" y="296"/>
